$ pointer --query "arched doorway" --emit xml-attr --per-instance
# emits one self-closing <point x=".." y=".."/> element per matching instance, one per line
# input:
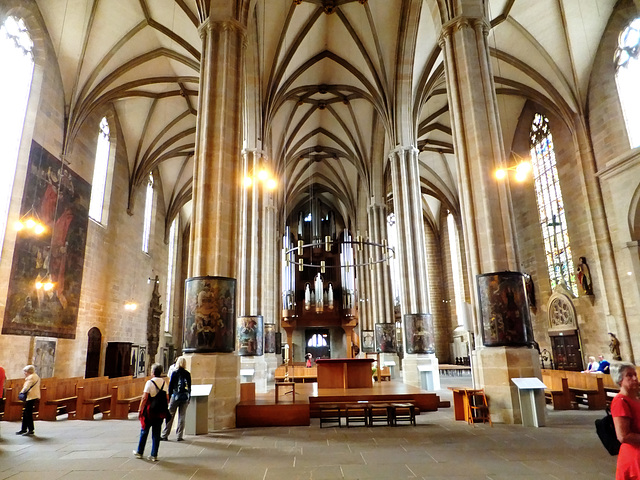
<point x="94" y="344"/>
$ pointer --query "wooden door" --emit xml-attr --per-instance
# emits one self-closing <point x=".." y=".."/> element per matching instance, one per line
<point x="566" y="352"/>
<point x="94" y="345"/>
<point x="117" y="362"/>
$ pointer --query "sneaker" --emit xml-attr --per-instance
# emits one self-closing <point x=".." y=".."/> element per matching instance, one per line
<point x="21" y="432"/>
<point x="30" y="432"/>
<point x="181" y="439"/>
<point x="136" y="454"/>
<point x="153" y="459"/>
<point x="164" y="439"/>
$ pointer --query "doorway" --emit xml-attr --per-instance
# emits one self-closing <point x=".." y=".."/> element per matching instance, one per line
<point x="317" y="343"/>
<point x="566" y="351"/>
<point x="94" y="345"/>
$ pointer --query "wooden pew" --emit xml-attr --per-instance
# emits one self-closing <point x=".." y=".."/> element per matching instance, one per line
<point x="588" y="388"/>
<point x="13" y="406"/>
<point x="126" y="398"/>
<point x="57" y="398"/>
<point x="95" y="397"/>
<point x="280" y="373"/>
<point x="557" y="392"/>
<point x="385" y="374"/>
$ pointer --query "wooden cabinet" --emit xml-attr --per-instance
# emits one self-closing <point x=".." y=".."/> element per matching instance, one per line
<point x="117" y="361"/>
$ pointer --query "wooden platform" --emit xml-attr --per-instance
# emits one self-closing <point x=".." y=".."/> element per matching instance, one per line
<point x="263" y="411"/>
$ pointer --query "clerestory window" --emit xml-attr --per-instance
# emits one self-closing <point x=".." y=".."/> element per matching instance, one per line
<point x="148" y="211"/>
<point x="627" y="60"/>
<point x="100" y="170"/>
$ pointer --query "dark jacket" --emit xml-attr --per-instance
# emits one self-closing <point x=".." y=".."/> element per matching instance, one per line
<point x="175" y="380"/>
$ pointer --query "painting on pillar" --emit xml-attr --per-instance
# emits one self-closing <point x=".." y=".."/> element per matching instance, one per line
<point x="368" y="341"/>
<point x="250" y="335"/>
<point x="386" y="337"/>
<point x="269" y="338"/>
<point x="504" y="309"/>
<point x="419" y="334"/>
<point x="209" y="317"/>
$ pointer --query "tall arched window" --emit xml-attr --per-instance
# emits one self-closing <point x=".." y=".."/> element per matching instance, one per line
<point x="100" y="170"/>
<point x="456" y="266"/>
<point x="392" y="237"/>
<point x="148" y="210"/>
<point x="171" y="273"/>
<point x="627" y="59"/>
<point x="16" y="63"/>
<point x="550" y="205"/>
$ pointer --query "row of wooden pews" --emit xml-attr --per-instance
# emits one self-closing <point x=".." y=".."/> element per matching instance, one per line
<point x="78" y="397"/>
<point x="567" y="390"/>
<point x="296" y="373"/>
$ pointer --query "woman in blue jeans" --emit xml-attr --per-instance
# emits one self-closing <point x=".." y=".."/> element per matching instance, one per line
<point x="148" y="420"/>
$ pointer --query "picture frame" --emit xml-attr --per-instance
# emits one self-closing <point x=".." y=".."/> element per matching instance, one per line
<point x="44" y="356"/>
<point x="419" y="333"/>
<point x="368" y="341"/>
<point x="134" y="361"/>
<point x="142" y="361"/>
<point x="386" y="341"/>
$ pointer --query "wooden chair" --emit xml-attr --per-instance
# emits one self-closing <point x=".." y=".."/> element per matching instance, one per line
<point x="477" y="407"/>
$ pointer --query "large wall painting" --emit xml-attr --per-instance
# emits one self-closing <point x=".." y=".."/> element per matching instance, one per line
<point x="386" y="337"/>
<point x="504" y="309"/>
<point x="250" y="335"/>
<point x="209" y="317"/>
<point x="60" y="199"/>
<point x="418" y="328"/>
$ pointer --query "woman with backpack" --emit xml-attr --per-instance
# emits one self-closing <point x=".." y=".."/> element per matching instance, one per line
<point x="153" y="410"/>
<point x="180" y="388"/>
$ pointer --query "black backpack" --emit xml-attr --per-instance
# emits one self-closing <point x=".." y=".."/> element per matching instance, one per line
<point x="181" y="392"/>
<point x="607" y="433"/>
<point x="158" y="406"/>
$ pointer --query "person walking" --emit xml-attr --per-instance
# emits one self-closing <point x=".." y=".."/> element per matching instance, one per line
<point x="180" y="388"/>
<point x="625" y="409"/>
<point x="3" y="377"/>
<point x="152" y="412"/>
<point x="31" y="388"/>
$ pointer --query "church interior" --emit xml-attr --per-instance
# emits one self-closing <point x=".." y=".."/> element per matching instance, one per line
<point x="263" y="183"/>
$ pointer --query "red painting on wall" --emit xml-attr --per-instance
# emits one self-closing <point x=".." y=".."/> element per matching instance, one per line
<point x="59" y="199"/>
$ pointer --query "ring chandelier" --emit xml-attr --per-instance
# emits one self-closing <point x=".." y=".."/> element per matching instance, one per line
<point x="387" y="251"/>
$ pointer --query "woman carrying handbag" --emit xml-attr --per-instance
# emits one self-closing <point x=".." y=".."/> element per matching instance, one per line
<point x="30" y="392"/>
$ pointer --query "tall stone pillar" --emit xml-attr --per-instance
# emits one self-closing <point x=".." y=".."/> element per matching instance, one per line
<point x="411" y="254"/>
<point x="381" y="293"/>
<point x="488" y="230"/>
<point x="213" y="247"/>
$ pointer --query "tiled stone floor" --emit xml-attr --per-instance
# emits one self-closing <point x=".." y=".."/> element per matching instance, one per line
<point x="437" y="448"/>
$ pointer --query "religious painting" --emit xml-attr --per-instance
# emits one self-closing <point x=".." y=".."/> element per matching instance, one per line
<point x="386" y="337"/>
<point x="419" y="336"/>
<point x="368" y="341"/>
<point x="165" y="359"/>
<point x="46" y="273"/>
<point x="209" y="319"/>
<point x="142" y="361"/>
<point x="134" y="361"/>
<point x="44" y="356"/>
<point x="504" y="309"/>
<point x="250" y="335"/>
<point x="269" y="338"/>
<point x="278" y="343"/>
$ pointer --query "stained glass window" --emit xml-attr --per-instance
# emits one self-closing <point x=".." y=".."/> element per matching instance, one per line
<point x="318" y="340"/>
<point x="171" y="272"/>
<point x="550" y="205"/>
<point x="100" y="170"/>
<point x="627" y="60"/>
<point x="16" y="63"/>
<point x="148" y="210"/>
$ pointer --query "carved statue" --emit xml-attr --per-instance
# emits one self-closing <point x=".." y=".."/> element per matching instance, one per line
<point x="153" y="321"/>
<point x="614" y="347"/>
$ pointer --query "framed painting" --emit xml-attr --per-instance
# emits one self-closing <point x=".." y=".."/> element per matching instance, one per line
<point x="368" y="341"/>
<point x="134" y="360"/>
<point x="504" y="309"/>
<point x="386" y="337"/>
<point x="142" y="361"/>
<point x="165" y="359"/>
<point x="209" y="318"/>
<point x="419" y="337"/>
<point x="44" y="356"/>
<point x="269" y="338"/>
<point x="250" y="335"/>
<point x="43" y="296"/>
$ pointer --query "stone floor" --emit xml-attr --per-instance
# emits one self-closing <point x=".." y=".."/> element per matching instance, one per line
<point x="437" y="448"/>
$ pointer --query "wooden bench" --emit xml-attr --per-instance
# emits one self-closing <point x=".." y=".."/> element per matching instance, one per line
<point x="95" y="397"/>
<point x="588" y="389"/>
<point x="58" y="398"/>
<point x="385" y="374"/>
<point x="366" y="412"/>
<point x="296" y="373"/>
<point x="13" y="406"/>
<point x="126" y="398"/>
<point x="557" y="392"/>
<point x="329" y="413"/>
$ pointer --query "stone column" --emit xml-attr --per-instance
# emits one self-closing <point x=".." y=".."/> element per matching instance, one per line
<point x="411" y="254"/>
<point x="488" y="231"/>
<point x="213" y="247"/>
<point x="381" y="293"/>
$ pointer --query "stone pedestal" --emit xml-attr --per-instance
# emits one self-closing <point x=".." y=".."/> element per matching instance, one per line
<point x="493" y="368"/>
<point x="392" y="361"/>
<point x="220" y="370"/>
<point x="259" y="367"/>
<point x="425" y="365"/>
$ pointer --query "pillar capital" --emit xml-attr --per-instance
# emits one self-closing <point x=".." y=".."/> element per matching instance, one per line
<point x="401" y="151"/>
<point x="462" y="22"/>
<point x="209" y="26"/>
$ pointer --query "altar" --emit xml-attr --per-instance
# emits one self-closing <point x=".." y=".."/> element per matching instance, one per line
<point x="345" y="373"/>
